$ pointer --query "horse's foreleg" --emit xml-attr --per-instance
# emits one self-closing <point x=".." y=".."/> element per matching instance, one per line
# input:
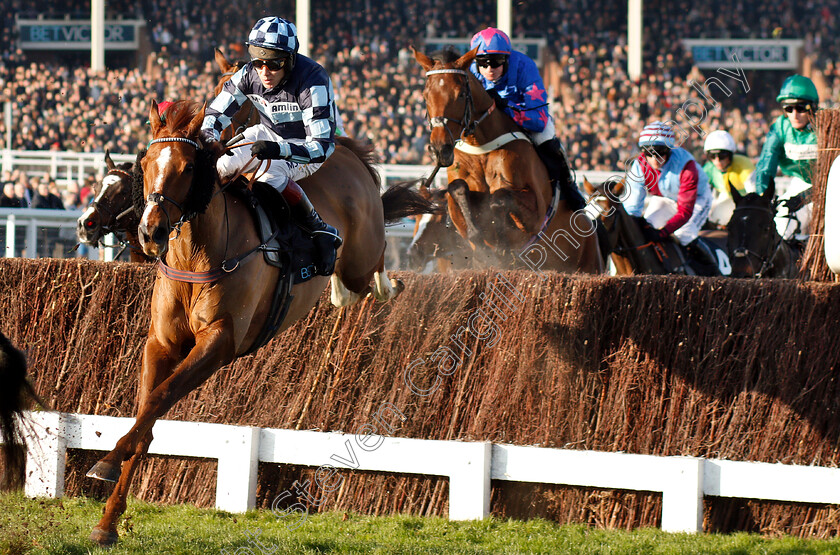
<point x="105" y="532"/>
<point x="459" y="192"/>
<point x="214" y="347"/>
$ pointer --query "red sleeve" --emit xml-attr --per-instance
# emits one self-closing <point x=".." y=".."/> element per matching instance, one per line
<point x="685" y="198"/>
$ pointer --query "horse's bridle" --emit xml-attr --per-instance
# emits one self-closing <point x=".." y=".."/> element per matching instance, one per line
<point x="113" y="219"/>
<point x="156" y="198"/>
<point x="742" y="251"/>
<point x="467" y="123"/>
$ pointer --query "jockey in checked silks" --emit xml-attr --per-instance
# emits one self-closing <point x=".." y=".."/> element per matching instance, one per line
<point x="294" y="97"/>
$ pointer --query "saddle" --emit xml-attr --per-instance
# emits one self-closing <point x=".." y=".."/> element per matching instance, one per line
<point x="284" y="246"/>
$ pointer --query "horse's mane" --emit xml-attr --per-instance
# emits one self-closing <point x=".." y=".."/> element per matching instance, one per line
<point x="178" y="118"/>
<point x="364" y="152"/>
<point x="445" y="55"/>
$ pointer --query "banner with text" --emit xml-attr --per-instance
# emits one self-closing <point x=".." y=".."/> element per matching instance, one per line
<point x="751" y="53"/>
<point x="42" y="34"/>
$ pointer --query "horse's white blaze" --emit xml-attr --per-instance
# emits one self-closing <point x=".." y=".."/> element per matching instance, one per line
<point x="340" y="295"/>
<point x="383" y="289"/>
<point x="421" y="227"/>
<point x="106" y="182"/>
<point x="162" y="161"/>
<point x="87" y="214"/>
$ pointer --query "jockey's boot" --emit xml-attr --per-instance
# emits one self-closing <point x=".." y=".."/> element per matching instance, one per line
<point x="702" y="259"/>
<point x="552" y="155"/>
<point x="325" y="236"/>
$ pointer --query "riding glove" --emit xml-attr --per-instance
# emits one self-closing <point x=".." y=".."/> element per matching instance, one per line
<point x="654" y="235"/>
<point x="794" y="203"/>
<point x="266" y="150"/>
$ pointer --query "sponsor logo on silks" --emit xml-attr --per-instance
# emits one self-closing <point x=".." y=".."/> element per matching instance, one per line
<point x="307" y="272"/>
<point x="801" y="152"/>
<point x="284" y="107"/>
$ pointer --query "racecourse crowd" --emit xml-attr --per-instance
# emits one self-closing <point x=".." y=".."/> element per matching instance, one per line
<point x="364" y="45"/>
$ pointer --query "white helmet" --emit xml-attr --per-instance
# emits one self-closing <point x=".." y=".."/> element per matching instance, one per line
<point x="719" y="140"/>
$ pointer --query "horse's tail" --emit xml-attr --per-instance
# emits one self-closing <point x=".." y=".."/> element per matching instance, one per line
<point x="15" y="390"/>
<point x="403" y="200"/>
<point x="364" y="152"/>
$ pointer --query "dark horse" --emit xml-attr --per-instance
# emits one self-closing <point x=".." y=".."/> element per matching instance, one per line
<point x="499" y="196"/>
<point x="199" y="326"/>
<point x="631" y="253"/>
<point x="112" y="211"/>
<point x="755" y="247"/>
<point x="15" y="392"/>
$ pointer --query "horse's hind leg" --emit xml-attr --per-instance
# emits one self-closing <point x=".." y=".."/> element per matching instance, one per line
<point x="385" y="288"/>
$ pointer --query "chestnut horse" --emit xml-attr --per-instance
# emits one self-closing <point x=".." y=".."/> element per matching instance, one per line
<point x="112" y="211"/>
<point x="499" y="196"/>
<point x="196" y="328"/>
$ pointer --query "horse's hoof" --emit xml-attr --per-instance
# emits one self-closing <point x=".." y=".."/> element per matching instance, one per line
<point x="103" y="538"/>
<point x="398" y="286"/>
<point x="104" y="470"/>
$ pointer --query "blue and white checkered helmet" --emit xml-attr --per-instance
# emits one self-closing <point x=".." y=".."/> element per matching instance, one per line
<point x="273" y="33"/>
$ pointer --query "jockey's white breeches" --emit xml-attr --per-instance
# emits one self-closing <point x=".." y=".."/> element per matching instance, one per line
<point x="279" y="172"/>
<point x="658" y="210"/>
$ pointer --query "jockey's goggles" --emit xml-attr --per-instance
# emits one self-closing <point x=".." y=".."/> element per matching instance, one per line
<point x="657" y="151"/>
<point x="493" y="61"/>
<point x="272" y="65"/>
<point x="801" y="108"/>
<point x="718" y="154"/>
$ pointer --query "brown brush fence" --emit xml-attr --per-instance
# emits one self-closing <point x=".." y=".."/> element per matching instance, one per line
<point x="813" y="264"/>
<point x="722" y="368"/>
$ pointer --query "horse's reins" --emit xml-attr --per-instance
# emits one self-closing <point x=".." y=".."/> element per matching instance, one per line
<point x="227" y="265"/>
<point x="468" y="127"/>
<point x="467" y="123"/>
<point x="741" y="250"/>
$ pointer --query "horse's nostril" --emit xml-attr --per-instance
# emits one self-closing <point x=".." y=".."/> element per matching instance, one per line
<point x="160" y="235"/>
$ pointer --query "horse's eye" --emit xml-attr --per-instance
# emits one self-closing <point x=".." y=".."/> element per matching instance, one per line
<point x="189" y="167"/>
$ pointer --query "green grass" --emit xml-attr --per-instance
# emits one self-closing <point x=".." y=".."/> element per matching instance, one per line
<point x="62" y="526"/>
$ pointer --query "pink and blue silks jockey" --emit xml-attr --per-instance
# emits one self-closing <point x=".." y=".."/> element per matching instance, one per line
<point x="513" y="80"/>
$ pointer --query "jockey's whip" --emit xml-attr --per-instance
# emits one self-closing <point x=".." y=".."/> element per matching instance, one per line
<point x="432" y="176"/>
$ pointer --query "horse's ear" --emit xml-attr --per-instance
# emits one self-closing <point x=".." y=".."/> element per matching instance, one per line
<point x="221" y="61"/>
<point x="195" y="123"/>
<point x="422" y="59"/>
<point x="736" y="195"/>
<point x="154" y="117"/>
<point x="466" y="59"/>
<point x="771" y="190"/>
<point x="108" y="162"/>
<point x="587" y="186"/>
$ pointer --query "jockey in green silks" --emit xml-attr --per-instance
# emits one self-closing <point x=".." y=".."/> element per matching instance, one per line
<point x="791" y="145"/>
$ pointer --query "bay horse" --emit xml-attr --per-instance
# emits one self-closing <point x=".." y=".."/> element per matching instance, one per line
<point x="112" y="211"/>
<point x="200" y="325"/>
<point x="15" y="394"/>
<point x="755" y="247"/>
<point x="499" y="196"/>
<point x="435" y="238"/>
<point x="630" y="252"/>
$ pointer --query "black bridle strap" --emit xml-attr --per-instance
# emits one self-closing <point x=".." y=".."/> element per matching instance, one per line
<point x="467" y="123"/>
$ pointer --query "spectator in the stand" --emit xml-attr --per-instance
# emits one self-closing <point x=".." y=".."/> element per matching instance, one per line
<point x="45" y="199"/>
<point x="9" y="199"/>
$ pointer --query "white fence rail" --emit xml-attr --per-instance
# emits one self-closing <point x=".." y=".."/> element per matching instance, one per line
<point x="470" y="467"/>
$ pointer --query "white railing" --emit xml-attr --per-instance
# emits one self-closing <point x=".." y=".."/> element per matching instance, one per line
<point x="470" y="466"/>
